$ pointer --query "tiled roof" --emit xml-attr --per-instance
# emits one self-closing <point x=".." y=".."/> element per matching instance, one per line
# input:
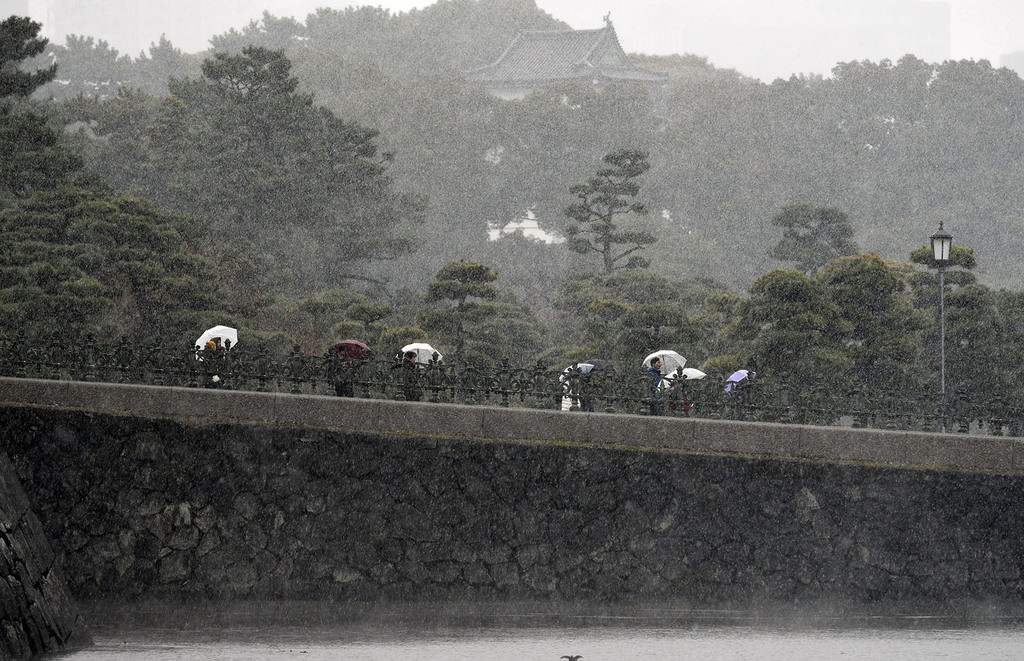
<point x="548" y="56"/>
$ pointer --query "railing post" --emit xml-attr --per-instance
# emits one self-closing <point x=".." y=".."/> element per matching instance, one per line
<point x="295" y="369"/>
<point x="89" y="358"/>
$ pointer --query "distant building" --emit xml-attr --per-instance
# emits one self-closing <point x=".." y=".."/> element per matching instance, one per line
<point x="536" y="59"/>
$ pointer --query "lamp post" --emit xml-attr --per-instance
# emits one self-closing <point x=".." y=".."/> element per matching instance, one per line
<point x="942" y="242"/>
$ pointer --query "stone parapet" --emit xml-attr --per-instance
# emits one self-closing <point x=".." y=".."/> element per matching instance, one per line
<point x="770" y="440"/>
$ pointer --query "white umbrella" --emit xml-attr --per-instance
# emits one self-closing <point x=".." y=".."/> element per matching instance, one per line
<point x="225" y="333"/>
<point x="585" y="368"/>
<point x="689" y="374"/>
<point x="424" y="352"/>
<point x="670" y="361"/>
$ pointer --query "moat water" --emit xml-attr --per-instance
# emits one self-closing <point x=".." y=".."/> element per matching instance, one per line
<point x="318" y="632"/>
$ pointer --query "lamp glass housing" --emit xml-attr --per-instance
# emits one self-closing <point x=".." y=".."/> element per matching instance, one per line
<point x="942" y="242"/>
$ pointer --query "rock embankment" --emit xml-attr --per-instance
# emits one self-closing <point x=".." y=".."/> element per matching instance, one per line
<point x="160" y="508"/>
<point x="36" y="613"/>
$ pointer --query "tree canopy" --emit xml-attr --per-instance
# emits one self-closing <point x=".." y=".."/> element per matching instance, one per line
<point x="33" y="156"/>
<point x="269" y="173"/>
<point x="85" y="259"/>
<point x="812" y="236"/>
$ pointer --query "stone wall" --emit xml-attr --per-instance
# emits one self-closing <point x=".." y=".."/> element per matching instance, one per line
<point x="184" y="506"/>
<point x="36" y="613"/>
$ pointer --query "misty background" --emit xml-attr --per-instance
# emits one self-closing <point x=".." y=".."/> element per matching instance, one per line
<point x="765" y="40"/>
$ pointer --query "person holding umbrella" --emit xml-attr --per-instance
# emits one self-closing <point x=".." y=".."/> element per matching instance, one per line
<point x="347" y="359"/>
<point x="211" y="350"/>
<point x="739" y="379"/>
<point x="411" y="388"/>
<point x="654" y="383"/>
<point x="575" y="381"/>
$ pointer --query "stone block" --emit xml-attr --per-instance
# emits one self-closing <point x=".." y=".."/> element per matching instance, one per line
<point x="665" y="432"/>
<point x="221" y="406"/>
<point x="1017" y="451"/>
<point x="109" y="397"/>
<point x="534" y="425"/>
<point x="327" y="412"/>
<point x="857" y="445"/>
<point x="35" y="602"/>
<point x="446" y="420"/>
<point x="172" y="402"/>
<point x="750" y="438"/>
<point x="960" y="451"/>
<point x="38" y="392"/>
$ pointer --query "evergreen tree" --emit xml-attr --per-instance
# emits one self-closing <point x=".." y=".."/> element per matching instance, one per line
<point x="812" y="236"/>
<point x="471" y="315"/>
<point x="19" y="42"/>
<point x="884" y="343"/>
<point x="33" y="156"/>
<point x="790" y="328"/>
<point x="609" y="194"/>
<point x="466" y="286"/>
<point x="79" y="259"/>
<point x="272" y="174"/>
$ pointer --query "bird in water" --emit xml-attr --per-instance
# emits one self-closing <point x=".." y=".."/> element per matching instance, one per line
<point x="574" y="657"/>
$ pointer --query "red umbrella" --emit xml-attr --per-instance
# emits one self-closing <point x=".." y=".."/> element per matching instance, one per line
<point x="353" y="349"/>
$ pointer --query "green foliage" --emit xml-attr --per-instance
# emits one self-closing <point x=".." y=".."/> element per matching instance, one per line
<point x="321" y="320"/>
<point x="256" y="73"/>
<point x="19" y="42"/>
<point x="91" y="261"/>
<point x="812" y="236"/>
<point x="791" y="330"/>
<point x="369" y="312"/>
<point x="88" y="67"/>
<point x="464" y="286"/>
<point x="273" y="177"/>
<point x="505" y="328"/>
<point x="895" y="145"/>
<point x="884" y="341"/>
<point x="460" y="281"/>
<point x="655" y="326"/>
<point x="976" y="330"/>
<point x="469" y="315"/>
<point x="958" y="256"/>
<point x="632" y="312"/>
<point x="396" y="337"/>
<point x="33" y="157"/>
<point x="291" y="197"/>
<point x="612" y="192"/>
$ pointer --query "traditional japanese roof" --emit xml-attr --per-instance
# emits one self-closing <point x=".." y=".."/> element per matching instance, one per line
<point x="541" y="57"/>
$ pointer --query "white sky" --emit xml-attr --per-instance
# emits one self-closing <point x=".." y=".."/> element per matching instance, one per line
<point x="761" y="38"/>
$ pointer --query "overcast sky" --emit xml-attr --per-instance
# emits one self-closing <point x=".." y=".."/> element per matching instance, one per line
<point x="765" y="39"/>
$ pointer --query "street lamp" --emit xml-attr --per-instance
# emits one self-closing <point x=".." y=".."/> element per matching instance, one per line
<point x="942" y="242"/>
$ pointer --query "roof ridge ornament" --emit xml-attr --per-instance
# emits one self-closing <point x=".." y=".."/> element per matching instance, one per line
<point x="608" y="19"/>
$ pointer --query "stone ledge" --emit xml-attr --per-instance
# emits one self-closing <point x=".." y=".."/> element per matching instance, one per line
<point x="829" y="444"/>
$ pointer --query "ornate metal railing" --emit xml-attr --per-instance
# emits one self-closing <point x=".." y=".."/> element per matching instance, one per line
<point x="504" y="384"/>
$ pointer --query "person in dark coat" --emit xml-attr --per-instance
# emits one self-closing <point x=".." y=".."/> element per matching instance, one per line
<point x="411" y="387"/>
<point x="654" y="383"/>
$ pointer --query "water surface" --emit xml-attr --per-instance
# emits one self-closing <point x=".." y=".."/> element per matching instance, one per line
<point x="318" y="632"/>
